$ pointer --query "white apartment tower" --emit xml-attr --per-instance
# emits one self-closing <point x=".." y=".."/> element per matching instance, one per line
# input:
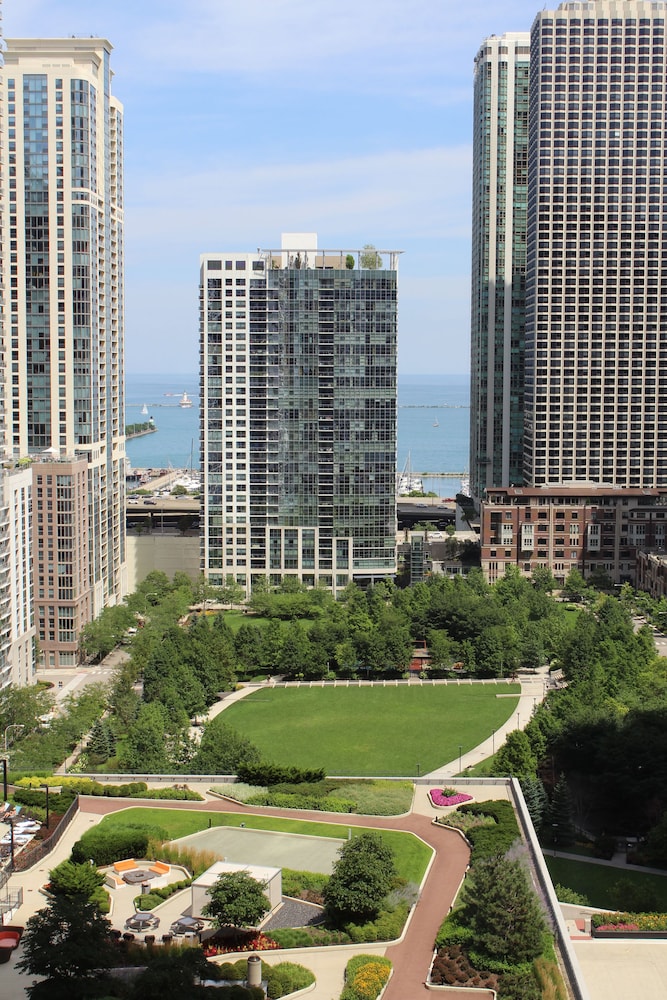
<point x="500" y="195"/>
<point x="62" y="209"/>
<point x="298" y="434"/>
<point x="596" y="305"/>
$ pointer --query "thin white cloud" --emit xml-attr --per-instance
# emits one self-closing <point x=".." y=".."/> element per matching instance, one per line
<point x="389" y="45"/>
<point x="401" y="194"/>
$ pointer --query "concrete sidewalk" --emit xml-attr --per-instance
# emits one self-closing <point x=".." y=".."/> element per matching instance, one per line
<point x="534" y="689"/>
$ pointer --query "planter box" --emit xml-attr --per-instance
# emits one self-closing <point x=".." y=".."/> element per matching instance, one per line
<point x="620" y="935"/>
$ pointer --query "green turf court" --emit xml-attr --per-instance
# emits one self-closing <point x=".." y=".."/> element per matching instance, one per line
<point x="262" y="847"/>
<point x="392" y="730"/>
<point x="412" y="855"/>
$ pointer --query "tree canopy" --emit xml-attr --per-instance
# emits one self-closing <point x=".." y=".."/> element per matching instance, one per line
<point x="362" y="876"/>
<point x="69" y="944"/>
<point x="237" y="899"/>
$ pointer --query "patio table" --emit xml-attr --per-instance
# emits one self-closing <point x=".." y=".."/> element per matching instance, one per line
<point x="136" y="875"/>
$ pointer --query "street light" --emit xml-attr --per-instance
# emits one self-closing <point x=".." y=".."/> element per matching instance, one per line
<point x="46" y="789"/>
<point x="14" y="725"/>
<point x="460" y="749"/>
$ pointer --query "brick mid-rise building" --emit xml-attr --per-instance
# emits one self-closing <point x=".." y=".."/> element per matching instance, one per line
<point x="583" y="526"/>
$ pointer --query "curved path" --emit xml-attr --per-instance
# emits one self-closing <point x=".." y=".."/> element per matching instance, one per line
<point x="412" y="956"/>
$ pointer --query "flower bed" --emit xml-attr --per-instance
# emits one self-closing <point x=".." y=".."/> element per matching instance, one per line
<point x="258" y="943"/>
<point x="648" y="925"/>
<point x="447" y="797"/>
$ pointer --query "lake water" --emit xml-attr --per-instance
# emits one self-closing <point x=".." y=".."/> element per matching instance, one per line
<point x="433" y="424"/>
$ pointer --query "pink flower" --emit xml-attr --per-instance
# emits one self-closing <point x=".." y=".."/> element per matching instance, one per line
<point x="439" y="799"/>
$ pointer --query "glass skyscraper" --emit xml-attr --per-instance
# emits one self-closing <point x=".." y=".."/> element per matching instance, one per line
<point x="500" y="193"/>
<point x="298" y="436"/>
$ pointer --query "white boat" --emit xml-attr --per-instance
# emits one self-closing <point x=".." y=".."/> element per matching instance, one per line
<point x="144" y="410"/>
<point x="406" y="483"/>
<point x="185" y="402"/>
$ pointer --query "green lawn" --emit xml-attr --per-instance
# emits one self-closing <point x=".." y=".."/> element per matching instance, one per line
<point x="237" y="618"/>
<point x="371" y="731"/>
<point x="600" y="883"/>
<point x="412" y="854"/>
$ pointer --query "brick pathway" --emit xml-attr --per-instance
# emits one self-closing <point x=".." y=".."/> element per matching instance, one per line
<point x="411" y="958"/>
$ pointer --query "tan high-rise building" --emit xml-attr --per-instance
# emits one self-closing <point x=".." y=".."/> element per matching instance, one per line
<point x="63" y="324"/>
<point x="596" y="269"/>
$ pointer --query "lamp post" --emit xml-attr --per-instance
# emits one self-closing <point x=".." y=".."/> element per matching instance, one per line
<point x="14" y="725"/>
<point x="460" y="749"/>
<point x="46" y="789"/>
<point x="417" y="769"/>
<point x="4" y="778"/>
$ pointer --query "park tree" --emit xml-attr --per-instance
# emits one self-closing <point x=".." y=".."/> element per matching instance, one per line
<point x="103" y="633"/>
<point x="543" y="579"/>
<point x="222" y="749"/>
<point x="559" y="814"/>
<point x="69" y="946"/>
<point x="100" y="741"/>
<point x="173" y="973"/>
<point x="237" y="900"/>
<point x="231" y="592"/>
<point x="536" y="799"/>
<point x="248" y="645"/>
<point x="362" y="876"/>
<point x="23" y="707"/>
<point x="504" y="912"/>
<point x="72" y="879"/>
<point x="575" y="586"/>
<point x="145" y="749"/>
<point x="295" y="654"/>
<point x="442" y="649"/>
<point x="515" y="758"/>
<point x="600" y="579"/>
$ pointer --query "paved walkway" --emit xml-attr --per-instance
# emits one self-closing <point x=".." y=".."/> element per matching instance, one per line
<point x="411" y="957"/>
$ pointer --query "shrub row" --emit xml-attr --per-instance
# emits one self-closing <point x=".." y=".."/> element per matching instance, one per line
<point x="283" y="800"/>
<point x="387" y="926"/>
<point x="105" y="845"/>
<point x="266" y="773"/>
<point x="281" y="979"/>
<point x="158" y="894"/>
<point x="300" y="883"/>
<point x="28" y="793"/>
<point x="489" y="841"/>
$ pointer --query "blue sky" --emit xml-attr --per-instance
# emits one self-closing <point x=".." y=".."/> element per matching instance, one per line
<point x="248" y="118"/>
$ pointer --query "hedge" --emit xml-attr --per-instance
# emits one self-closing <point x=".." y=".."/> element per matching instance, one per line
<point x="281" y="979"/>
<point x="266" y="773"/>
<point x="283" y="800"/>
<point x="29" y="791"/>
<point x="488" y="841"/>
<point x="104" y="845"/>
